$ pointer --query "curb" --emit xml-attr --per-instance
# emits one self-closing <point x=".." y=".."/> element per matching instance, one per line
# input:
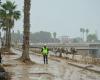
<point x="86" y="68"/>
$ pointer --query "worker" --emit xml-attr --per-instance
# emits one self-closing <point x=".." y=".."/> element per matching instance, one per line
<point x="45" y="52"/>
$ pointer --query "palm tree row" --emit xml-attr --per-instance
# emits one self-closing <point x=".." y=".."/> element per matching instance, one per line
<point x="83" y="31"/>
<point x="8" y="15"/>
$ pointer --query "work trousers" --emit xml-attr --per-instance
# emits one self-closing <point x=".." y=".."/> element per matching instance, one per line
<point x="45" y="58"/>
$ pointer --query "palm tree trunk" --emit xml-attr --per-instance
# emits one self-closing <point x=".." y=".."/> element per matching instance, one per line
<point x="9" y="39"/>
<point x="86" y="37"/>
<point x="83" y="36"/>
<point x="25" y="53"/>
<point x="6" y="40"/>
<point x="6" y="37"/>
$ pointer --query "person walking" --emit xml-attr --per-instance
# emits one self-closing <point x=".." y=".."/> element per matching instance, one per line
<point x="45" y="52"/>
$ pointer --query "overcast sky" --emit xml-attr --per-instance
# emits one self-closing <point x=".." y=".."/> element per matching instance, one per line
<point x="65" y="17"/>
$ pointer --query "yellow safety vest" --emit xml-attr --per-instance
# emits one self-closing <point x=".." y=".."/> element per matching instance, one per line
<point x="45" y="51"/>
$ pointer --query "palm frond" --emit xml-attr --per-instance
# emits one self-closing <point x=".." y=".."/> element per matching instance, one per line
<point x="17" y="15"/>
<point x="8" y="18"/>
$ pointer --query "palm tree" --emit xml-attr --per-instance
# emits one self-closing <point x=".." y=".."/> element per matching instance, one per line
<point x="8" y="14"/>
<point x="83" y="31"/>
<point x="54" y="35"/>
<point x="25" y="54"/>
<point x="87" y="31"/>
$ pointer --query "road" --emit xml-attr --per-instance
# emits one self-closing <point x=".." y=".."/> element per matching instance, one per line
<point x="55" y="70"/>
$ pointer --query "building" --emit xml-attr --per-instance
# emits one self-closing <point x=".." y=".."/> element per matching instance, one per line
<point x="65" y="39"/>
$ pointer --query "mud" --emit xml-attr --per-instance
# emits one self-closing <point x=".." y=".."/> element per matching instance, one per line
<point x="55" y="70"/>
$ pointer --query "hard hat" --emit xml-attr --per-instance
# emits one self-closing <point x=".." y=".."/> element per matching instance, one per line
<point x="44" y="44"/>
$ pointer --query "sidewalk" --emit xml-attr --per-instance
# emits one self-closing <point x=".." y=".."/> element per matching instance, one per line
<point x="57" y="69"/>
<point x="89" y="67"/>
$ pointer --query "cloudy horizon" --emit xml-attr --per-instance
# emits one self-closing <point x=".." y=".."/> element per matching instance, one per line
<point x="65" y="17"/>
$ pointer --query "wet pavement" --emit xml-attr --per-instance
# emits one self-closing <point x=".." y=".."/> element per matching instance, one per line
<point x="55" y="70"/>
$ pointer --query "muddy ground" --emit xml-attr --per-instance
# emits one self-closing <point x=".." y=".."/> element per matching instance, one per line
<point x="55" y="70"/>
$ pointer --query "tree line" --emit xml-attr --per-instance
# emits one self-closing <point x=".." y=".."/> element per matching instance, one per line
<point x="37" y="37"/>
<point x="90" y="37"/>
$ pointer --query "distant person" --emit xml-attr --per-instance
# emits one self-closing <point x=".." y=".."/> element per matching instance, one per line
<point x="45" y="52"/>
<point x="73" y="51"/>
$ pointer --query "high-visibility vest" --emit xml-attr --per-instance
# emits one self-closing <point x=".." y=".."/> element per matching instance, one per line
<point x="45" y="51"/>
